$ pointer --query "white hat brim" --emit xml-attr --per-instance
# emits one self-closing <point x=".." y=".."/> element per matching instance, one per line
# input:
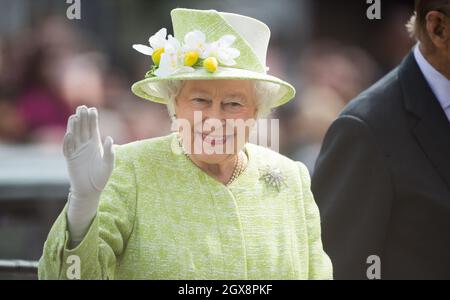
<point x="148" y="87"/>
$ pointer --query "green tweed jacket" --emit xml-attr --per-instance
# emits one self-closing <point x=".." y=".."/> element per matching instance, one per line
<point x="162" y="217"/>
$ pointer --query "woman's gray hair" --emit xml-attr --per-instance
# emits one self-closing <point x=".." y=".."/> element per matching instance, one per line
<point x="266" y="94"/>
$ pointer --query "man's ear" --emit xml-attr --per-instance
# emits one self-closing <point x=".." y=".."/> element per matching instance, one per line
<point x="437" y="28"/>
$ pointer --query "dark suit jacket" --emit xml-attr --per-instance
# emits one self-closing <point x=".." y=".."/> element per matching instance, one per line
<point x="382" y="181"/>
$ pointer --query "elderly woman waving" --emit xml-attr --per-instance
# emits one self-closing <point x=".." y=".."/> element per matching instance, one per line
<point x="202" y="202"/>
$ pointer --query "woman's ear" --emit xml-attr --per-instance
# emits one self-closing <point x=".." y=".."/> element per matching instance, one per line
<point x="437" y="27"/>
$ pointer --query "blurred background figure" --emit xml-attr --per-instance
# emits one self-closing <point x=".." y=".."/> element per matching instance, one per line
<point x="50" y="64"/>
<point x="330" y="74"/>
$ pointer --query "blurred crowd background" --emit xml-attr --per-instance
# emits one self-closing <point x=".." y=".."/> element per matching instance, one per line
<point x="49" y="65"/>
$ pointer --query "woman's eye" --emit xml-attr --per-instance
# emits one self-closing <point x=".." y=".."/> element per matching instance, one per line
<point x="234" y="104"/>
<point x="199" y="100"/>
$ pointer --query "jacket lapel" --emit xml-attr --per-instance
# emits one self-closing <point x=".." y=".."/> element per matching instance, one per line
<point x="432" y="129"/>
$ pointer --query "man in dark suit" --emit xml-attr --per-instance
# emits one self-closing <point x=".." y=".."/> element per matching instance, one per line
<point x="382" y="180"/>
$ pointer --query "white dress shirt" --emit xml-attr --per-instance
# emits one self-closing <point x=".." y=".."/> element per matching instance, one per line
<point x="438" y="83"/>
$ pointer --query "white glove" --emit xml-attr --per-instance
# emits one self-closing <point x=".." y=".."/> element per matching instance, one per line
<point x="89" y="165"/>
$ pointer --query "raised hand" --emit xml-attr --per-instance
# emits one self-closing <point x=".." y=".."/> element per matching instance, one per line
<point x="89" y="163"/>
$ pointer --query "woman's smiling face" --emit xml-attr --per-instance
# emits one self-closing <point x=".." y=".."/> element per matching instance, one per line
<point x="216" y="111"/>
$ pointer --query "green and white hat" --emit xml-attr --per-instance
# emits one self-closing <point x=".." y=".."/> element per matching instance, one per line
<point x="209" y="45"/>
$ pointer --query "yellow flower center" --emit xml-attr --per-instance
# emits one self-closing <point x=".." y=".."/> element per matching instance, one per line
<point x="190" y="58"/>
<point x="210" y="64"/>
<point x="156" y="56"/>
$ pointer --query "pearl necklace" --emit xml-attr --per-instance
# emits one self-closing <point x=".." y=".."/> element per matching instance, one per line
<point x="239" y="165"/>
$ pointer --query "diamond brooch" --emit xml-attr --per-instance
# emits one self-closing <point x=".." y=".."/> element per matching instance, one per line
<point x="272" y="176"/>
